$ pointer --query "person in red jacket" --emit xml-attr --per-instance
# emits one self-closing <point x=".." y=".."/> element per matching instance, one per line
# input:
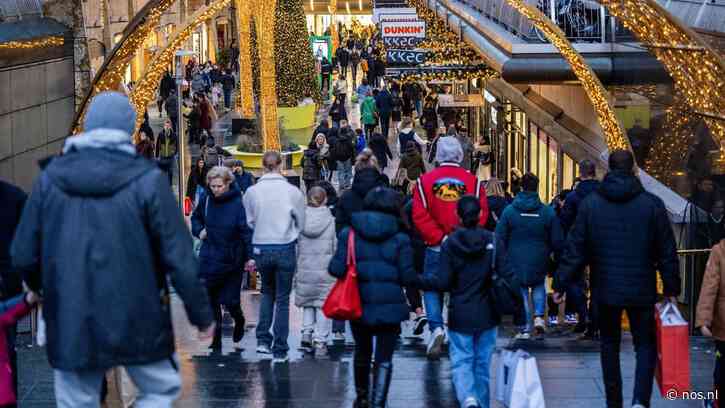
<point x="434" y="215"/>
<point x="11" y="311"/>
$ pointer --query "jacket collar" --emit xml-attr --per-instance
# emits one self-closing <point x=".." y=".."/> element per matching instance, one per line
<point x="272" y="177"/>
<point x="449" y="164"/>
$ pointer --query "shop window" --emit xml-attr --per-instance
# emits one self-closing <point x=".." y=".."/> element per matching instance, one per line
<point x="552" y="182"/>
<point x="543" y="161"/>
<point x="567" y="179"/>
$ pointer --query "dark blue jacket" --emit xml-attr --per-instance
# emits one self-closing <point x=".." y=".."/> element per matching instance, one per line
<point x="103" y="283"/>
<point x="244" y="181"/>
<point x="351" y="200"/>
<point x="531" y="233"/>
<point x="573" y="199"/>
<point x="228" y="242"/>
<point x="466" y="268"/>
<point x="384" y="102"/>
<point x="496" y="205"/>
<point x="12" y="200"/>
<point x="623" y="233"/>
<point x="384" y="266"/>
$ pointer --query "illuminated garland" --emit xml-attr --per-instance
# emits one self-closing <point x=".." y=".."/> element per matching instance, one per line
<point x="670" y="148"/>
<point x="265" y="23"/>
<point x="47" y="42"/>
<point x="462" y="73"/>
<point x="244" y="99"/>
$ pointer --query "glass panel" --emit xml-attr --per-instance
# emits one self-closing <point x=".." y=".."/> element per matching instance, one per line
<point x="541" y="172"/>
<point x="553" y="180"/>
<point x="568" y="172"/>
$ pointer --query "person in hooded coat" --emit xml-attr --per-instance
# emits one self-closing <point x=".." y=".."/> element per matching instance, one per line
<point x="220" y="222"/>
<point x="316" y="247"/>
<point x="351" y="200"/>
<point x="379" y="145"/>
<point x="531" y="234"/>
<point x="497" y="202"/>
<point x="196" y="183"/>
<point x="412" y="161"/>
<point x="384" y="266"/>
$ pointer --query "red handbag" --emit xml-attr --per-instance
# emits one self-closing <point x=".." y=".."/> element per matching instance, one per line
<point x="673" y="351"/>
<point x="343" y="302"/>
<point x="187" y="206"/>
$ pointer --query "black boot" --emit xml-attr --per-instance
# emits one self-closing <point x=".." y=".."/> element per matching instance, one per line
<point x="239" y="322"/>
<point x="362" y="384"/>
<point x="383" y="375"/>
<point x="216" y="343"/>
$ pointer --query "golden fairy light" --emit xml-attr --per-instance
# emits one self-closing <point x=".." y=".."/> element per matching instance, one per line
<point x="245" y="94"/>
<point x="46" y="42"/>
<point x="265" y="14"/>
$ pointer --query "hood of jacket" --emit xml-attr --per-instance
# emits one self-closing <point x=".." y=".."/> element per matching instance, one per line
<point x="527" y="201"/>
<point x="620" y="186"/>
<point x="585" y="187"/>
<point x="101" y="138"/>
<point x="96" y="172"/>
<point x="469" y="242"/>
<point x="317" y="220"/>
<point x="375" y="226"/>
<point x="366" y="180"/>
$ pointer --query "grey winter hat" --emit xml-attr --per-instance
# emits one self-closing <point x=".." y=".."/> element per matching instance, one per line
<point x="110" y="110"/>
<point x="448" y="150"/>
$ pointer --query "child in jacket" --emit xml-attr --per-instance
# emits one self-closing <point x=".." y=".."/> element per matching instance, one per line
<point x="11" y="311"/>
<point x="316" y="247"/>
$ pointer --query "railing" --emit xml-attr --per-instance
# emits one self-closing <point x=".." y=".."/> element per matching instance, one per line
<point x="580" y="20"/>
<point x="692" y="270"/>
<point x="18" y="9"/>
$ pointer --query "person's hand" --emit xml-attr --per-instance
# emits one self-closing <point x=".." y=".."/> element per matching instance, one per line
<point x="706" y="331"/>
<point x="202" y="234"/>
<point x="558" y="297"/>
<point x="207" y="333"/>
<point x="32" y="298"/>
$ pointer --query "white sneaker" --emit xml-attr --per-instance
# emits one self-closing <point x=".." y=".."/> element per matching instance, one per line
<point x="638" y="406"/>
<point x="263" y="349"/>
<point x="470" y="402"/>
<point x="338" y="336"/>
<point x="524" y="335"/>
<point x="436" y="341"/>
<point x="539" y="325"/>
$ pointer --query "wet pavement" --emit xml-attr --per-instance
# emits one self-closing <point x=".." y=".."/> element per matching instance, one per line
<point x="239" y="377"/>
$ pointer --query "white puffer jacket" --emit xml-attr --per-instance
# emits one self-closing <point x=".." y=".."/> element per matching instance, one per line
<point x="317" y="244"/>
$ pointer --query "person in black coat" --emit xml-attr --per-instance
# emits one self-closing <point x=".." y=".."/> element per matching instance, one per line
<point x="623" y="233"/>
<point x="351" y="200"/>
<point x="196" y="183"/>
<point x="415" y="300"/>
<point x="220" y="222"/>
<point x="384" y="266"/>
<point x="379" y="145"/>
<point x="384" y="103"/>
<point x="469" y="258"/>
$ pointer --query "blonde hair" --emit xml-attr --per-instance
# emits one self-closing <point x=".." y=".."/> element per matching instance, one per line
<point x="221" y="172"/>
<point x="366" y="160"/>
<point x="316" y="196"/>
<point x="494" y="188"/>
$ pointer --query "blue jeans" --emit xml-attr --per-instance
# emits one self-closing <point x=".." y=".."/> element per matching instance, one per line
<point x="538" y="293"/>
<point x="471" y="363"/>
<point x="276" y="264"/>
<point x="433" y="300"/>
<point x="228" y="98"/>
<point x="344" y="174"/>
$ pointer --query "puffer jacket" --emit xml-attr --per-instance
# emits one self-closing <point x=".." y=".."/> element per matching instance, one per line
<point x="311" y="165"/>
<point x="531" y="233"/>
<point x="384" y="266"/>
<point x="573" y="199"/>
<point x="102" y="284"/>
<point x="623" y="233"/>
<point x="315" y="249"/>
<point x="466" y="270"/>
<point x="351" y="201"/>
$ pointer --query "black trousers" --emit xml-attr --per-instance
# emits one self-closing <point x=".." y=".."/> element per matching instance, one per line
<point x="234" y="309"/>
<point x="414" y="299"/>
<point x="642" y="325"/>
<point x="385" y="339"/>
<point x="385" y="124"/>
<point x="369" y="130"/>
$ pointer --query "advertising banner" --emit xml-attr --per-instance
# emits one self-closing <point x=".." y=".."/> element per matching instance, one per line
<point x="398" y="17"/>
<point x="405" y="57"/>
<point x="402" y="42"/>
<point x="378" y="11"/>
<point x="403" y="29"/>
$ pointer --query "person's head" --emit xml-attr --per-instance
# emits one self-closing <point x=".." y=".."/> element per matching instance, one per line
<point x="219" y="179"/>
<point x="110" y="110"/>
<point x="449" y="150"/>
<point x="718" y="208"/>
<point x="200" y="163"/>
<point x="375" y="92"/>
<point x="324" y="124"/>
<point x="452" y="131"/>
<point x="494" y="188"/>
<point x="320" y="139"/>
<point x="706" y="185"/>
<point x="621" y="161"/>
<point x="316" y="197"/>
<point x="167" y="124"/>
<point x="384" y="200"/>
<point x="469" y="211"/>
<point x="366" y="160"/>
<point x="343" y="124"/>
<point x="411" y="147"/>
<point x="530" y="183"/>
<point x="406" y="123"/>
<point x="272" y="161"/>
<point x="587" y="170"/>
<point x="142" y="135"/>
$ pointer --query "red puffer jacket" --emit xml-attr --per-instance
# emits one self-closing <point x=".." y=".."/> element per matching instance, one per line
<point x="436" y="197"/>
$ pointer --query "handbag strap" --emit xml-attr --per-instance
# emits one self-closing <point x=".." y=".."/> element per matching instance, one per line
<point x="351" y="248"/>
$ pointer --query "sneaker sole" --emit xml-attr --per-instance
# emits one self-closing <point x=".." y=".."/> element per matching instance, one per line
<point x="418" y="330"/>
<point x="434" y="350"/>
<point x="264" y="351"/>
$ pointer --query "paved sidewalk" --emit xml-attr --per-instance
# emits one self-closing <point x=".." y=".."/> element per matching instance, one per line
<point x="239" y="377"/>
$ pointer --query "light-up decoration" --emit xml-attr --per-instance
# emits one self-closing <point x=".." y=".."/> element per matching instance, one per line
<point x="264" y="24"/>
<point x="245" y="94"/>
<point x="47" y="42"/>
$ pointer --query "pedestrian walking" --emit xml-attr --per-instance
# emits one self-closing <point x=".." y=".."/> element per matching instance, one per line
<point x="145" y="147"/>
<point x="384" y="103"/>
<point x="326" y="72"/>
<point x="396" y="115"/>
<point x="379" y="145"/>
<point x="342" y="151"/>
<point x="341" y="89"/>
<point x="354" y="63"/>
<point x="172" y="109"/>
<point x="196" y="183"/>
<point x="228" y="85"/>
<point x="166" y="147"/>
<point x="313" y="283"/>
<point x="384" y="266"/>
<point x="369" y="114"/>
<point x="469" y="258"/>
<point x="412" y="162"/>
<point x="243" y="178"/>
<point x="212" y="153"/>
<point x="434" y="215"/>
<point x="367" y="177"/>
<point x="413" y="294"/>
<point x="623" y="233"/>
<point x="220" y="223"/>
<point x="408" y="134"/>
<point x="363" y="90"/>
<point x="126" y="241"/>
<point x="311" y="165"/>
<point x="429" y="118"/>
<point x="338" y="112"/>
<point x="165" y="88"/>
<point x="496" y="198"/>
<point x="532" y="236"/>
<point x="276" y="213"/>
<point x="342" y="55"/>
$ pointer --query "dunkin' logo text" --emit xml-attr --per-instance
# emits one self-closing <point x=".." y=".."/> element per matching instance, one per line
<point x="414" y="29"/>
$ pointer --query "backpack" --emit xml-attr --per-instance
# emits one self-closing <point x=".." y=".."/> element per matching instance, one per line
<point x="342" y="149"/>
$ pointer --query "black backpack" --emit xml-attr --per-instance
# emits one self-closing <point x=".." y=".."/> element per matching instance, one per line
<point x="342" y="149"/>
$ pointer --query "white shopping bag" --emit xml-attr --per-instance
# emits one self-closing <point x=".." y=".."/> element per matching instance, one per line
<point x="125" y="387"/>
<point x="40" y="338"/>
<point x="518" y="384"/>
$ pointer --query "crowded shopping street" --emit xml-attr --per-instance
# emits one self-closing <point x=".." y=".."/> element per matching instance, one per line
<point x="381" y="203"/>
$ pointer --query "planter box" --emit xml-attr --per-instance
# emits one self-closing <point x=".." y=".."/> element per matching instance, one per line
<point x="254" y="160"/>
<point x="298" y="123"/>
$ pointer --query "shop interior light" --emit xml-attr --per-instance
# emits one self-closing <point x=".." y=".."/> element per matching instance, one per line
<point x="347" y="6"/>
<point x="359" y="4"/>
<point x="312" y="5"/>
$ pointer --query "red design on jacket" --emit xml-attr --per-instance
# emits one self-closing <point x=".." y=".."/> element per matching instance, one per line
<point x="435" y="199"/>
<point x="7" y="320"/>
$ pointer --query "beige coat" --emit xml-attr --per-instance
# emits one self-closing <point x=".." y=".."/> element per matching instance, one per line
<point x="711" y="306"/>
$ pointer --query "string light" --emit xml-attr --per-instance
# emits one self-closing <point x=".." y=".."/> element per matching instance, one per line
<point x="244" y="99"/>
<point x="46" y="42"/>
<point x="265" y="28"/>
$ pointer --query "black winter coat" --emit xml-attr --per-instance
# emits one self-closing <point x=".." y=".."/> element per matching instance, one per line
<point x="573" y="200"/>
<point x="381" y="150"/>
<point x="623" y="233"/>
<point x="227" y="245"/>
<point x="351" y="200"/>
<point x="496" y="205"/>
<point x="196" y="178"/>
<point x="466" y="271"/>
<point x="384" y="266"/>
<point x="100" y="244"/>
<point x="311" y="165"/>
<point x="12" y="200"/>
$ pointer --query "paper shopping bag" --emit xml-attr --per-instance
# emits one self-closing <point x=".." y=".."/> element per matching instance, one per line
<point x="673" y="350"/>
<point x="518" y="383"/>
<point x="505" y="372"/>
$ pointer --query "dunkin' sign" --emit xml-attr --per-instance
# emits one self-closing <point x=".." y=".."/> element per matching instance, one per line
<point x="403" y="29"/>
